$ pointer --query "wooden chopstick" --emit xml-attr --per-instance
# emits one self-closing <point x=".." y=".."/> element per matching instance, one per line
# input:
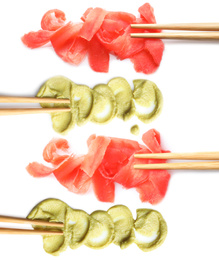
<point x="14" y="231"/>
<point x="6" y="99"/>
<point x="7" y="219"/>
<point x="179" y="35"/>
<point x="184" y="156"/>
<point x="180" y="166"/>
<point x="180" y="26"/>
<point x="206" y="165"/>
<point x="21" y="111"/>
<point x="30" y="231"/>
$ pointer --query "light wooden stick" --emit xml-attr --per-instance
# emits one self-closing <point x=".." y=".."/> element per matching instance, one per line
<point x="5" y="99"/>
<point x="7" y="219"/>
<point x="179" y="35"/>
<point x="21" y="111"/>
<point x="180" y="26"/>
<point x="14" y="231"/>
<point x="180" y="166"/>
<point x="186" y="156"/>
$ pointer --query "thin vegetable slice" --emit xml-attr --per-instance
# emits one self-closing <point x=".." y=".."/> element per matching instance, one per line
<point x="154" y="188"/>
<point x="123" y="225"/>
<point x="56" y="151"/>
<point x="152" y="140"/>
<point x="96" y="152"/>
<point x="155" y="47"/>
<point x="129" y="177"/>
<point x="104" y="108"/>
<point x="112" y="30"/>
<point x="37" y="39"/>
<point x="114" y="160"/>
<point x="85" y="14"/>
<point x="98" y="56"/>
<point x="124" y="19"/>
<point x="63" y="39"/>
<point x="147" y="12"/>
<point x="152" y="228"/>
<point x="143" y="62"/>
<point x="125" y="47"/>
<point x="101" y="230"/>
<point x="104" y="188"/>
<point x="52" y="210"/>
<point x="82" y="103"/>
<point x="148" y="100"/>
<point x="36" y="169"/>
<point x="69" y="171"/>
<point x="55" y="87"/>
<point x="124" y="97"/>
<point x="78" y="51"/>
<point x="92" y="23"/>
<point x="58" y="87"/>
<point x="77" y="226"/>
<point x="53" y="20"/>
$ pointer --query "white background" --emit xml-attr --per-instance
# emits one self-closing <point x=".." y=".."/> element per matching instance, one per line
<point x="188" y="79"/>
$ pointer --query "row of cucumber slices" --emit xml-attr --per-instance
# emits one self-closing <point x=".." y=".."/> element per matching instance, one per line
<point x="100" y="228"/>
<point x="103" y="102"/>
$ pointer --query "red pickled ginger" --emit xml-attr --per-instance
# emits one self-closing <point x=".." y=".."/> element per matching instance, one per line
<point x="100" y="34"/>
<point x="109" y="160"/>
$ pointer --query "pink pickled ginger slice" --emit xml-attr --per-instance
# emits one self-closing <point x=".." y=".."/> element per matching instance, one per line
<point x="95" y="155"/>
<point x="36" y="169"/>
<point x="53" y="20"/>
<point x="92" y="23"/>
<point x="36" y="39"/>
<point x="98" y="56"/>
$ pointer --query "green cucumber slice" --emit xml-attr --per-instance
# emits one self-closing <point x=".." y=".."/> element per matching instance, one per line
<point x="151" y="229"/>
<point x="52" y="210"/>
<point x="148" y="100"/>
<point x="104" y="106"/>
<point x="82" y="103"/>
<point x="101" y="231"/>
<point x="124" y="97"/>
<point x="123" y="225"/>
<point x="77" y="227"/>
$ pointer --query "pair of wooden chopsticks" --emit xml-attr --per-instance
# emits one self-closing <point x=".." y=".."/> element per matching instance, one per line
<point x="204" y="165"/>
<point x="18" y="111"/>
<point x="29" y="231"/>
<point x="208" y="29"/>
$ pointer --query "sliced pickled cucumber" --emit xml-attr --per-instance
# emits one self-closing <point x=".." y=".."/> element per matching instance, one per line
<point x="52" y="210"/>
<point x="59" y="87"/>
<point x="54" y="245"/>
<point x="123" y="225"/>
<point x="151" y="229"/>
<point x="147" y="223"/>
<point x="56" y="87"/>
<point x="101" y="232"/>
<point x="77" y="227"/>
<point x="104" y="106"/>
<point x="82" y="103"/>
<point x="148" y="100"/>
<point x="100" y="228"/>
<point x="62" y="122"/>
<point x="124" y="97"/>
<point x="102" y="103"/>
